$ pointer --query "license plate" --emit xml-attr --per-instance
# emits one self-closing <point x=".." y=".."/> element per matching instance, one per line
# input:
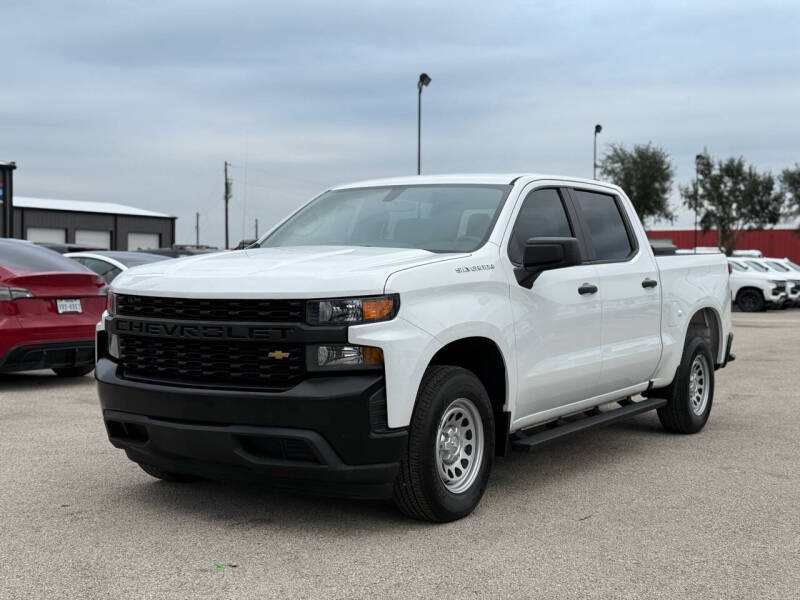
<point x="69" y="306"/>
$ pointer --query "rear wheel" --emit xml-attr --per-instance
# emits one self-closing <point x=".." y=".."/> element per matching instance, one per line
<point x="450" y="447"/>
<point x="73" y="371"/>
<point x="691" y="394"/>
<point x="167" y="475"/>
<point x="750" y="301"/>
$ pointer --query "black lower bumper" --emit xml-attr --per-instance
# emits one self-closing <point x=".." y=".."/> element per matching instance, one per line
<point x="325" y="434"/>
<point x="50" y="355"/>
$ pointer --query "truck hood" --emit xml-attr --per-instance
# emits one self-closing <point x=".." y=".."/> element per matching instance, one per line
<point x="296" y="272"/>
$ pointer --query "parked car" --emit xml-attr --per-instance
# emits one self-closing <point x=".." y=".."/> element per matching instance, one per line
<point x="759" y="264"/>
<point x="393" y="336"/>
<point x="783" y="267"/>
<point x="49" y="306"/>
<point x="110" y="263"/>
<point x="755" y="288"/>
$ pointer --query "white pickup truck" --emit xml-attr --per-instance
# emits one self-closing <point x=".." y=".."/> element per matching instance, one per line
<point x="392" y="337"/>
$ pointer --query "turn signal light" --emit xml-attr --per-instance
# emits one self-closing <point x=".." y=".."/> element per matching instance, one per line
<point x="377" y="309"/>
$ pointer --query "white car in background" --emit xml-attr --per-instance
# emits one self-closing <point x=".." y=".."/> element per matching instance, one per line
<point x="782" y="268"/>
<point x="754" y="287"/>
<point x="110" y="263"/>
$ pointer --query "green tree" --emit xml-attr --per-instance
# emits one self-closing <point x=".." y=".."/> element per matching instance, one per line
<point x="645" y="173"/>
<point x="732" y="197"/>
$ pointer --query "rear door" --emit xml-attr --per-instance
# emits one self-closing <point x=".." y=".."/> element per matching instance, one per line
<point x="629" y="287"/>
<point x="557" y="326"/>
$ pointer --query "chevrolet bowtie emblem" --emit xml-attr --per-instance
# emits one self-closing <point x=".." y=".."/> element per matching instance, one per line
<point x="278" y="354"/>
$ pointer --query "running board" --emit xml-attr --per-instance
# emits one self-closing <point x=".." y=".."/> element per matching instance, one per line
<point x="561" y="428"/>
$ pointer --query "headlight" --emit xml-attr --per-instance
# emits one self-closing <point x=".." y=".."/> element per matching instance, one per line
<point x="351" y="311"/>
<point x="325" y="357"/>
<point x="111" y="303"/>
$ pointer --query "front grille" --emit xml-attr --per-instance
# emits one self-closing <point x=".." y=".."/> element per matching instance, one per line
<point x="212" y="309"/>
<point x="229" y="364"/>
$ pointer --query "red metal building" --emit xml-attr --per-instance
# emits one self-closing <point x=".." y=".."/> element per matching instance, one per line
<point x="781" y="242"/>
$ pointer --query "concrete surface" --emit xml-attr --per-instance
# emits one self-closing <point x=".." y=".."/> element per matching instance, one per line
<point x="623" y="512"/>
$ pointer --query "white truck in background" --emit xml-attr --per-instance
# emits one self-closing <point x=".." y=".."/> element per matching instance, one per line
<point x="755" y="288"/>
<point x="392" y="337"/>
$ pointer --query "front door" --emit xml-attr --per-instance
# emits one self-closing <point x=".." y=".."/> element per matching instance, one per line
<point x="558" y="320"/>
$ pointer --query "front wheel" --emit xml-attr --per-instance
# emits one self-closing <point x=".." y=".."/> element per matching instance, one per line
<point x="750" y="301"/>
<point x="690" y="395"/>
<point x="450" y="447"/>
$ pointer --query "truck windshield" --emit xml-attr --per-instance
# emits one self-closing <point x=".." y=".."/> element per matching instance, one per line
<point x="437" y="218"/>
<point x="777" y="266"/>
<point x="757" y="266"/>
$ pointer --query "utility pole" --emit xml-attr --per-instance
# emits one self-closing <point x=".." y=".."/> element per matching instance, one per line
<point x="197" y="229"/>
<point x="227" y="200"/>
<point x="256" y="227"/>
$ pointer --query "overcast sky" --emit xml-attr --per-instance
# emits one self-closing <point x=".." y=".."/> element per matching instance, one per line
<point x="141" y="102"/>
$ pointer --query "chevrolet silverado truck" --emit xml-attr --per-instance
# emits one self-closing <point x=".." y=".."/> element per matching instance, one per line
<point x="392" y="337"/>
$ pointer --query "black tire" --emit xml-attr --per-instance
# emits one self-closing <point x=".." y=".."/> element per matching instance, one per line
<point x="419" y="491"/>
<point x="167" y="475"/>
<point x="73" y="371"/>
<point x="678" y="415"/>
<point x="750" y="301"/>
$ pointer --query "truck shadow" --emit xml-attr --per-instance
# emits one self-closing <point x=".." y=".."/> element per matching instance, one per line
<point x="259" y="507"/>
<point x="44" y="380"/>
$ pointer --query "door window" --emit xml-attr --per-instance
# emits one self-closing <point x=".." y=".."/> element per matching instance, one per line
<point x="605" y="227"/>
<point x="542" y="215"/>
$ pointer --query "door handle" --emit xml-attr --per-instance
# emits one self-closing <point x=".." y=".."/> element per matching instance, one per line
<point x="649" y="283"/>
<point x="587" y="288"/>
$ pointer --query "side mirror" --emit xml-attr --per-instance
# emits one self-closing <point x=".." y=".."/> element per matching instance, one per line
<point x="544" y="254"/>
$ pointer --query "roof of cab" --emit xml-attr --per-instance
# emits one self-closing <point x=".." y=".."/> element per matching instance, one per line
<point x="464" y="178"/>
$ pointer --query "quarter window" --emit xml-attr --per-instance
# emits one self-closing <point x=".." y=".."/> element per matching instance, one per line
<point x="604" y="225"/>
<point x="542" y="215"/>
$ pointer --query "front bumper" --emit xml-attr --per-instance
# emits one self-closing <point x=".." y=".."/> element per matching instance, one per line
<point x="48" y="355"/>
<point x="327" y="434"/>
<point x="776" y="300"/>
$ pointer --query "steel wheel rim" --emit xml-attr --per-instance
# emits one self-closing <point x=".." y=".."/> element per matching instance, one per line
<point x="459" y="445"/>
<point x="699" y="385"/>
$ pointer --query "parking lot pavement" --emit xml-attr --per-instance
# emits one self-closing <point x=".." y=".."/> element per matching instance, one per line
<point x="623" y="512"/>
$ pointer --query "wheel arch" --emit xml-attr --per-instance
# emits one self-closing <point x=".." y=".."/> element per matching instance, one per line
<point x="483" y="357"/>
<point x="707" y="323"/>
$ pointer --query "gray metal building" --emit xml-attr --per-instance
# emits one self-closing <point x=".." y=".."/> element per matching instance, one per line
<point x="100" y="224"/>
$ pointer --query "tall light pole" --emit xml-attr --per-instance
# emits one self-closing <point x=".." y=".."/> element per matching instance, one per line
<point x="423" y="81"/>
<point x="227" y="200"/>
<point x="698" y="161"/>
<point x="597" y="129"/>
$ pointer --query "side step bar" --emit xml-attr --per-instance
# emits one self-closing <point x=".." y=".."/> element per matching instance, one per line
<point x="561" y="428"/>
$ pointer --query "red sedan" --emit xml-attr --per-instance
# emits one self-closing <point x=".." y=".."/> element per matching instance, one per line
<point x="49" y="306"/>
